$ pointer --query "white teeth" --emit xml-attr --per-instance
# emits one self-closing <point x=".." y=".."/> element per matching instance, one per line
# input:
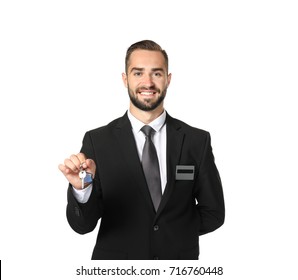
<point x="146" y="93"/>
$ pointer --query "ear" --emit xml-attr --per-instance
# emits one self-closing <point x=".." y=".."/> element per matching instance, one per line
<point x="169" y="78"/>
<point x="124" y="79"/>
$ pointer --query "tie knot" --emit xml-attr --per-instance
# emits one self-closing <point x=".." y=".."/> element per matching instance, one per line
<point x="147" y="130"/>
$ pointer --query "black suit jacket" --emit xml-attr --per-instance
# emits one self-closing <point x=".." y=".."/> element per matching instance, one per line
<point x="130" y="228"/>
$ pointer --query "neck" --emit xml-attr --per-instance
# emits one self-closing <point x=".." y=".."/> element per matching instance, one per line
<point x="146" y="117"/>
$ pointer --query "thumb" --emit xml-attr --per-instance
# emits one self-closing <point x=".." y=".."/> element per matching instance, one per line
<point x="90" y="166"/>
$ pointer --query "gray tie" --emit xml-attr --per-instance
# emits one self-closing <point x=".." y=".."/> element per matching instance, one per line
<point x="151" y="167"/>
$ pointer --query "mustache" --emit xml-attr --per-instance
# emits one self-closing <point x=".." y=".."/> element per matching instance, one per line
<point x="153" y="88"/>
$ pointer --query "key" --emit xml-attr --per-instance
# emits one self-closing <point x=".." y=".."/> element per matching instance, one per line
<point x="82" y="175"/>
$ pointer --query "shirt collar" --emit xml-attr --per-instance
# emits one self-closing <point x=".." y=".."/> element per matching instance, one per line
<point x="156" y="124"/>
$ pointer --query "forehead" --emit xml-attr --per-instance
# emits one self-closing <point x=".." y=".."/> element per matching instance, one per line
<point x="146" y="59"/>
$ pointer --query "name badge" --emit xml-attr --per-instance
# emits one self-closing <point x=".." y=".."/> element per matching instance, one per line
<point x="185" y="172"/>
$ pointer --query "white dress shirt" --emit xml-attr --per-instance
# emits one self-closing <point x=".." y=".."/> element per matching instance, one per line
<point x="159" y="138"/>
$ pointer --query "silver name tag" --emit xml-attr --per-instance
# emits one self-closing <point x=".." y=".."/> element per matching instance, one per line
<point x="185" y="172"/>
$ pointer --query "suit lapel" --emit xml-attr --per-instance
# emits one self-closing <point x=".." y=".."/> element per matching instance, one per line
<point x="175" y="138"/>
<point x="124" y="134"/>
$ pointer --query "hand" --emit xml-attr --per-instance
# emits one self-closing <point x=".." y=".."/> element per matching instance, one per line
<point x="71" y="169"/>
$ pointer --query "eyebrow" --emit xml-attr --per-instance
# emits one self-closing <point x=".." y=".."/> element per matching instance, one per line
<point x="136" y="69"/>
<point x="142" y="69"/>
<point x="158" y="69"/>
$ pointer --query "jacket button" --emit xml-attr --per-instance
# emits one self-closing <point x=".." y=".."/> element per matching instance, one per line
<point x="156" y="228"/>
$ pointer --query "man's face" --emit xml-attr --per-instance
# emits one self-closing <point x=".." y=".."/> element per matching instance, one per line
<point x="146" y="79"/>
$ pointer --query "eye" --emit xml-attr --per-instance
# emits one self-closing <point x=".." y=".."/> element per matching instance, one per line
<point x="158" y="74"/>
<point x="137" y="74"/>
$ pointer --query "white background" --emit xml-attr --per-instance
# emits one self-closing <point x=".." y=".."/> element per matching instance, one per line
<point x="235" y="69"/>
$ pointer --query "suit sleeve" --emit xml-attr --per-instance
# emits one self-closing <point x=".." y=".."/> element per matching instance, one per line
<point x="209" y="193"/>
<point x="83" y="217"/>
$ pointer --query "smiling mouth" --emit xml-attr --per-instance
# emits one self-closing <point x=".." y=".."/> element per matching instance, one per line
<point x="150" y="91"/>
<point x="147" y="93"/>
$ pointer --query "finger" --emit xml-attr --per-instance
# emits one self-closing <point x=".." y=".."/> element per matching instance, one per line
<point x="76" y="161"/>
<point x="72" y="177"/>
<point x="90" y="163"/>
<point x="69" y="163"/>
<point x="81" y="157"/>
<point x="65" y="170"/>
<point x="90" y="166"/>
<point x="62" y="168"/>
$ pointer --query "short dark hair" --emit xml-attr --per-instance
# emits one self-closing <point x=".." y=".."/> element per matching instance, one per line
<point x="145" y="45"/>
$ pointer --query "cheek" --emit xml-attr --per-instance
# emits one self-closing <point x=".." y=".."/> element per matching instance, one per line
<point x="162" y="85"/>
<point x="134" y="85"/>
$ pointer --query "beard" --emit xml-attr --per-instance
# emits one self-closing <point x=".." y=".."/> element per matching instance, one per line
<point x="146" y="105"/>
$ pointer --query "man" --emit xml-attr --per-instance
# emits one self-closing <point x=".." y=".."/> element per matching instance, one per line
<point x="152" y="200"/>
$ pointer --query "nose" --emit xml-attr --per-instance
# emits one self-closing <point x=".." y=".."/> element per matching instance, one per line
<point x="148" y="80"/>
